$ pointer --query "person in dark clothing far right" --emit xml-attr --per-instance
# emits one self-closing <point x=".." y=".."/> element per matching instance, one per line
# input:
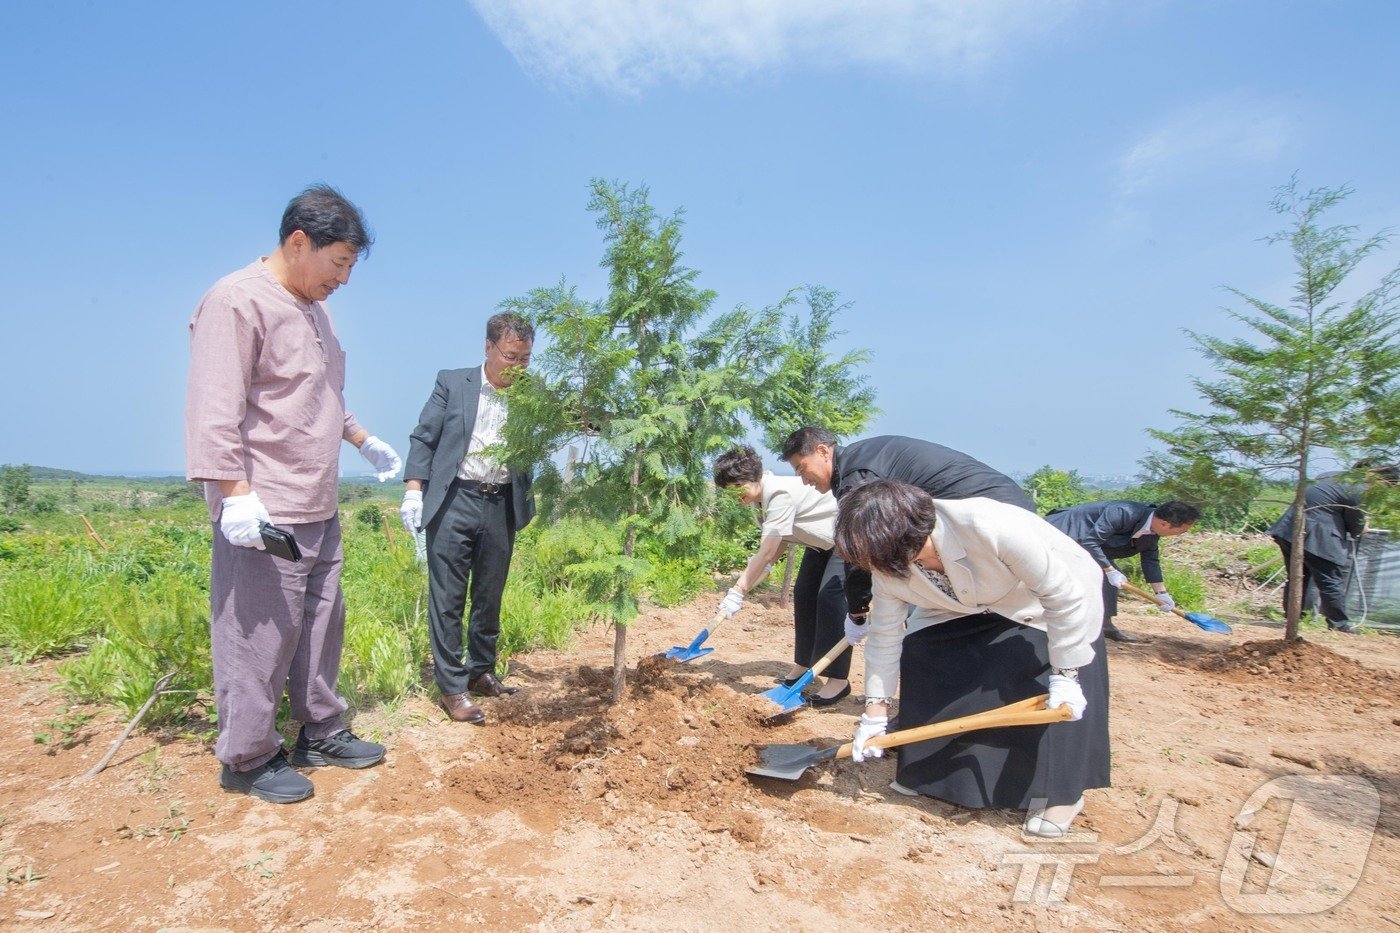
<point x="1333" y="520"/>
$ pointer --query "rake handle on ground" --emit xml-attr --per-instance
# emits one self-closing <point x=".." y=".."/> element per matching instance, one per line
<point x="1030" y="712"/>
<point x="1139" y="591"/>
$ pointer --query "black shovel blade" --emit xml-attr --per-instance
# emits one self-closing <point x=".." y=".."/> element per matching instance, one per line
<point x="789" y="762"/>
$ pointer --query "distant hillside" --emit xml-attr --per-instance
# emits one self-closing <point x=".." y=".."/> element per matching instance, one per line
<point x="54" y="473"/>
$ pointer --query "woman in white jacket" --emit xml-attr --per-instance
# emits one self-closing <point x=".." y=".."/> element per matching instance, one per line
<point x="978" y="604"/>
<point x="794" y="513"/>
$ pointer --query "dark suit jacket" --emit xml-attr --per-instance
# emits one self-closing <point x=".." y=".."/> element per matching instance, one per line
<point x="436" y="447"/>
<point x="1334" y="516"/>
<point x="942" y="472"/>
<point x="1106" y="529"/>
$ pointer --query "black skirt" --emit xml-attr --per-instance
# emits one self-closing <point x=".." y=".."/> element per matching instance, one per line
<point x="979" y="663"/>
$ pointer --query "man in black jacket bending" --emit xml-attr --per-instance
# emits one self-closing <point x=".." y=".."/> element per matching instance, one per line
<point x="940" y="471"/>
<point x="1119" y="528"/>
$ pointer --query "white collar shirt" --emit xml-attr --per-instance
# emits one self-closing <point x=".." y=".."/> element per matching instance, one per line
<point x="486" y="432"/>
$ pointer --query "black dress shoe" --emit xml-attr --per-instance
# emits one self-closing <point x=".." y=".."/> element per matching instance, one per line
<point x="1114" y="633"/>
<point x="786" y="681"/>
<point x="818" y="700"/>
<point x="488" y="686"/>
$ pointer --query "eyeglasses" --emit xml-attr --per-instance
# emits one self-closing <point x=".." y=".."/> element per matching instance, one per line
<point x="514" y="359"/>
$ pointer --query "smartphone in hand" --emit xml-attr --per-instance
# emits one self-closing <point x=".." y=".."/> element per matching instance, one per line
<point x="279" y="542"/>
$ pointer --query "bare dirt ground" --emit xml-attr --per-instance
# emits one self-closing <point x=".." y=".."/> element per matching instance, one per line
<point x="566" y="814"/>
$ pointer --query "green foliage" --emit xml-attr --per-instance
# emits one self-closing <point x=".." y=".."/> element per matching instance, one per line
<point x="14" y="486"/>
<point x="647" y="393"/>
<point x="805" y="385"/>
<point x="148" y="631"/>
<point x="1320" y="376"/>
<point x="534" y="619"/>
<point x="46" y="612"/>
<point x="62" y="730"/>
<point x="1187" y="586"/>
<point x="1052" y="489"/>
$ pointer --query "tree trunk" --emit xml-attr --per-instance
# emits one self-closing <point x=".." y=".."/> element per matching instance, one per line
<point x="1293" y="606"/>
<point x="628" y="544"/>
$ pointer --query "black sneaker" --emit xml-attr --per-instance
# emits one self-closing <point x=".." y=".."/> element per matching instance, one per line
<point x="341" y="749"/>
<point x="274" y="781"/>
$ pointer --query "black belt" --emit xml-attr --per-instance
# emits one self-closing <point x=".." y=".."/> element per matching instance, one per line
<point x="486" y="489"/>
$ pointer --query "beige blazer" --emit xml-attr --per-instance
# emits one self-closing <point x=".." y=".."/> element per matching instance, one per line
<point x="1001" y="559"/>
<point x="796" y="512"/>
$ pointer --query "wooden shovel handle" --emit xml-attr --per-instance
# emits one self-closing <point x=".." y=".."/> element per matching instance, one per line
<point x="1029" y="712"/>
<point x="825" y="660"/>
<point x="1139" y="591"/>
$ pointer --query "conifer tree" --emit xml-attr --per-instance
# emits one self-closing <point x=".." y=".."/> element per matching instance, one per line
<point x="1318" y="377"/>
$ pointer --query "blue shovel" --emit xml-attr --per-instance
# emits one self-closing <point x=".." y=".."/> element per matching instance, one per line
<point x="693" y="650"/>
<point x="791" y="698"/>
<point x="1198" y="619"/>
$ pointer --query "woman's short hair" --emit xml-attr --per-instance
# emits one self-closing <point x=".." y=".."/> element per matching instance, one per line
<point x="883" y="524"/>
<point x="738" y="465"/>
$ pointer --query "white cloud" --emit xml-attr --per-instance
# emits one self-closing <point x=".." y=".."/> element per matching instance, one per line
<point x="1222" y="133"/>
<point x="627" y="45"/>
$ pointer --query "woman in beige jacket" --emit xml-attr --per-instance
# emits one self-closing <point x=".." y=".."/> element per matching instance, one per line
<point x="978" y="604"/>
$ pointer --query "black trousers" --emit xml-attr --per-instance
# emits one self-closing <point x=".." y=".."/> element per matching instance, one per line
<point x="470" y="542"/>
<point x="819" y="611"/>
<point x="979" y="663"/>
<point x="1330" y="579"/>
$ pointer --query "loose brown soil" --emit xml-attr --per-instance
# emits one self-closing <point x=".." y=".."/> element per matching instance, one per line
<point x="1301" y="662"/>
<point x="567" y="812"/>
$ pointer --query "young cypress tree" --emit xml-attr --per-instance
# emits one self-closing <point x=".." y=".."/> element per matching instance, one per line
<point x="1319" y="376"/>
<point x="646" y="388"/>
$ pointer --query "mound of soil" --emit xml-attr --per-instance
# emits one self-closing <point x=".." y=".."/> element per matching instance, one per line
<point x="677" y="741"/>
<point x="1302" y="662"/>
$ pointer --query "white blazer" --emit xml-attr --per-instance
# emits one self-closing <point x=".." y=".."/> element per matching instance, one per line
<point x="999" y="558"/>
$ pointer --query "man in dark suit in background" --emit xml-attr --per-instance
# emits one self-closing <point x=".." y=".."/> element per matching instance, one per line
<point x="1333" y="520"/>
<point x="942" y="472"/>
<point x="472" y="505"/>
<point x="1119" y="528"/>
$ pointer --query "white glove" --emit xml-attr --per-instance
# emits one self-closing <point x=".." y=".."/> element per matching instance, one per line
<point x="1065" y="691"/>
<point x="733" y="601"/>
<point x="1165" y="601"/>
<point x="856" y="631"/>
<point x="868" y="727"/>
<point x="382" y="457"/>
<point x="1116" y="578"/>
<point x="411" y="511"/>
<point x="242" y="520"/>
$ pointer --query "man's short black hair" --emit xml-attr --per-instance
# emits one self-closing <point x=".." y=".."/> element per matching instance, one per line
<point x="738" y="465"/>
<point x="1178" y="513"/>
<point x="326" y="216"/>
<point x="803" y="441"/>
<point x="509" y="324"/>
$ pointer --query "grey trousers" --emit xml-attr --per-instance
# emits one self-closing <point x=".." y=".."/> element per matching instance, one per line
<point x="276" y="625"/>
<point x="470" y="542"/>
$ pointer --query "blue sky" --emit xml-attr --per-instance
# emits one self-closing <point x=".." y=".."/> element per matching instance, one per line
<point x="1026" y="202"/>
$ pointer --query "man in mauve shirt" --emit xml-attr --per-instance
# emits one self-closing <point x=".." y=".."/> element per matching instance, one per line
<point x="264" y="418"/>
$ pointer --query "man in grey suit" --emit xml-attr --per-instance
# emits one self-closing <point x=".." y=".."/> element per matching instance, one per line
<point x="1333" y="520"/>
<point x="942" y="472"/>
<point x="1118" y="528"/>
<point x="471" y="505"/>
